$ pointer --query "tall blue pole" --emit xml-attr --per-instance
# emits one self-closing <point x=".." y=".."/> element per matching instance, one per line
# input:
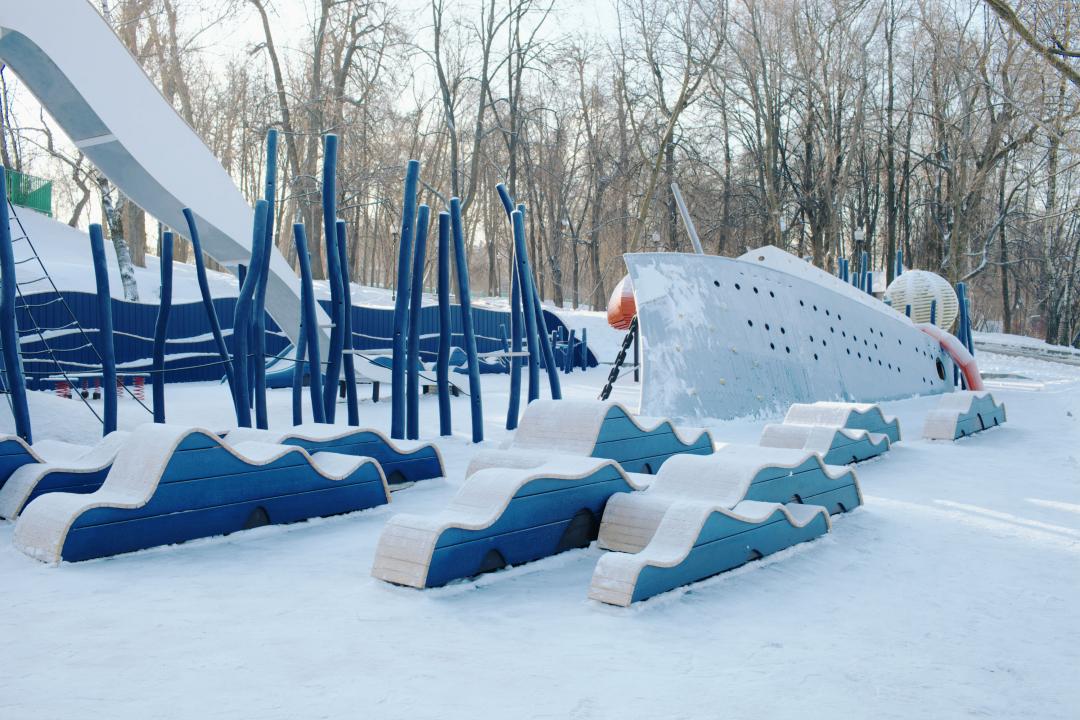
<point x="513" y="405"/>
<point x="333" y="276"/>
<point x="9" y="334"/>
<point x="965" y="318"/>
<point x="527" y="304"/>
<point x="259" y="308"/>
<point x="864" y="267"/>
<point x="105" y="328"/>
<point x="461" y="261"/>
<point x="298" y="377"/>
<point x="401" y="302"/>
<point x="242" y="319"/>
<point x="899" y="263"/>
<point x="933" y="312"/>
<point x="207" y="299"/>
<point x="442" y="372"/>
<point x="349" y="362"/>
<point x="310" y="323"/>
<point x="161" y="328"/>
<point x="412" y="431"/>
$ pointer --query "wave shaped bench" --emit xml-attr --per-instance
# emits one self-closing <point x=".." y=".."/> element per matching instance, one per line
<point x="963" y="413"/>
<point x="170" y="484"/>
<point x="598" y="429"/>
<point x="401" y="462"/>
<point x="64" y="468"/>
<point x="836" y="445"/>
<point x="851" y="416"/>
<point x="501" y="516"/>
<point x="693" y="522"/>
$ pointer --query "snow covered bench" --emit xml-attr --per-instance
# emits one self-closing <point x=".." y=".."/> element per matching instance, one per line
<point x="836" y="445"/>
<point x="402" y="462"/>
<point x="501" y="516"/>
<point x="598" y="429"/>
<point x="170" y="484"/>
<point x="64" y="468"/>
<point x="14" y="453"/>
<point x="963" y="413"/>
<point x="851" y="416"/>
<point x="693" y="522"/>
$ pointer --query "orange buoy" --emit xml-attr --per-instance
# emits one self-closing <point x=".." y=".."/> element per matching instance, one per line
<point x="621" y="307"/>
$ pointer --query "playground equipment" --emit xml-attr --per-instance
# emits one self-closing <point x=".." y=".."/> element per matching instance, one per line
<point x="692" y="522"/>
<point x="501" y="516"/>
<point x="71" y="468"/>
<point x="836" y="445"/>
<point x="742" y="336"/>
<point x="400" y="463"/>
<point x="919" y="289"/>
<point x="170" y="484"/>
<point x="962" y="414"/>
<point x="151" y="155"/>
<point x="590" y="428"/>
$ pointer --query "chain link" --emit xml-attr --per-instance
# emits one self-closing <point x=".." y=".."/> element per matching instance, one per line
<point x="619" y="359"/>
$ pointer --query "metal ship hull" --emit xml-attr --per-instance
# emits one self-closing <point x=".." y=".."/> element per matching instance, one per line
<point x="732" y="337"/>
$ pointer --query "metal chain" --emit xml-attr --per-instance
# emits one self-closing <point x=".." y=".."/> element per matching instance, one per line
<point x="619" y="359"/>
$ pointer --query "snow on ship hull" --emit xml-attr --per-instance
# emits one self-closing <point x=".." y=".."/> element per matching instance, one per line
<point x="724" y="338"/>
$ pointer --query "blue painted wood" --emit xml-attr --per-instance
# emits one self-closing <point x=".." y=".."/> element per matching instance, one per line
<point x="310" y="322"/>
<point x="162" y="329"/>
<point x="442" y="372"/>
<point x="9" y="334"/>
<point x="207" y="301"/>
<point x="333" y="277"/>
<point x="105" y="342"/>
<point x="807" y="484"/>
<point x="983" y="415"/>
<point x="299" y="372"/>
<point x="723" y="544"/>
<point x="462" y="264"/>
<point x="531" y="527"/>
<point x="528" y="303"/>
<point x="423" y="463"/>
<point x="899" y="264"/>
<point x="242" y="319"/>
<point x="259" y="303"/>
<point x="352" y="402"/>
<point x="70" y="482"/>
<point x="854" y="451"/>
<point x="401" y="302"/>
<point x="207" y="491"/>
<point x="643" y="451"/>
<point x="412" y="430"/>
<point x="13" y="455"/>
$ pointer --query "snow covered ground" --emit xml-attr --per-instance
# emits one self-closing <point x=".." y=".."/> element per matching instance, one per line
<point x="951" y="593"/>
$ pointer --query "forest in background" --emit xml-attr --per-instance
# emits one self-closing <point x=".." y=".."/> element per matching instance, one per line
<point x="945" y="129"/>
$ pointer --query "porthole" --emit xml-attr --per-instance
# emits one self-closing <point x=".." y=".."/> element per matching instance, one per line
<point x="940" y="369"/>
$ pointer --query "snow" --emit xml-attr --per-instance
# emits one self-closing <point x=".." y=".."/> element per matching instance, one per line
<point x="950" y="593"/>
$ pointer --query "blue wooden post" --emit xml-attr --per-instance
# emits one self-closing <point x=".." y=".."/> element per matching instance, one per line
<point x="442" y="373"/>
<point x="9" y="334"/>
<point x="899" y="263"/>
<point x="352" y="403"/>
<point x="161" y="328"/>
<point x="965" y="317"/>
<point x="933" y="312"/>
<point x="513" y="405"/>
<point x="584" y="348"/>
<point x="568" y="360"/>
<point x="864" y="267"/>
<point x="907" y="310"/>
<point x="401" y="302"/>
<point x="242" y="316"/>
<point x="298" y="376"/>
<point x="869" y="283"/>
<point x="415" y="303"/>
<point x="348" y="362"/>
<point x="105" y="328"/>
<point x="310" y="323"/>
<point x="259" y="307"/>
<point x="208" y="301"/>
<point x="333" y="276"/>
<point x="528" y="303"/>
<point x="461" y="261"/>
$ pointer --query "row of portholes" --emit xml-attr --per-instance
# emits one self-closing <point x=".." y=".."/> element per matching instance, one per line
<point x="832" y="329"/>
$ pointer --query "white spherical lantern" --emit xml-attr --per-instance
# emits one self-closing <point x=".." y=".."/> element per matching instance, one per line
<point x="918" y="288"/>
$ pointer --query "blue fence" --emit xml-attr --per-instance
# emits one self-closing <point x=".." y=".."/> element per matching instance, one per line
<point x="190" y="353"/>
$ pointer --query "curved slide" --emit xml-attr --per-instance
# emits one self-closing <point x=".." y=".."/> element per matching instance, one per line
<point x="69" y="58"/>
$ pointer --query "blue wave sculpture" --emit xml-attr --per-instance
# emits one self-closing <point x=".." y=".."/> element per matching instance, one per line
<point x="961" y="414"/>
